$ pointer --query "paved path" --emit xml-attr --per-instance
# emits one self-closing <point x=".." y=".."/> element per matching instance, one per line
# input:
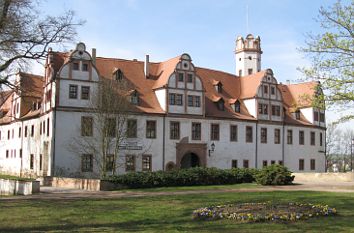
<point x="48" y="193"/>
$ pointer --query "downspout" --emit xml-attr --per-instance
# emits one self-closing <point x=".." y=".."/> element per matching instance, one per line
<point x="21" y="150"/>
<point x="283" y="145"/>
<point x="54" y="130"/>
<point x="256" y="161"/>
<point x="163" y="142"/>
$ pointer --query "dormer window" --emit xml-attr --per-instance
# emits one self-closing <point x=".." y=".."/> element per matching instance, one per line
<point x="119" y="75"/>
<point x="76" y="66"/>
<point x="218" y="87"/>
<point x="84" y="67"/>
<point x="134" y="98"/>
<point x="220" y="105"/>
<point x="180" y="77"/>
<point x="297" y="114"/>
<point x="237" y="106"/>
<point x="190" y="78"/>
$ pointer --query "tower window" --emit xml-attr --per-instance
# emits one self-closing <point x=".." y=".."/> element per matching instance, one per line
<point x="249" y="57"/>
<point x="240" y="73"/>
<point x="250" y="71"/>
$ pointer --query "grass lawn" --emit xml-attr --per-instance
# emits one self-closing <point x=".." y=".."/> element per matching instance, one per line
<point x="166" y="214"/>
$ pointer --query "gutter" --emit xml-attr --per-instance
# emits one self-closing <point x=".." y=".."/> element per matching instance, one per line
<point x="256" y="159"/>
<point x="163" y="142"/>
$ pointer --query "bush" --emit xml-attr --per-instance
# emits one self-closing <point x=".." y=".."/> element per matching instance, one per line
<point x="185" y="177"/>
<point x="274" y="175"/>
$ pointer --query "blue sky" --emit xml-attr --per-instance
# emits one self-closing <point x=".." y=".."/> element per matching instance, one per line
<point x="205" y="29"/>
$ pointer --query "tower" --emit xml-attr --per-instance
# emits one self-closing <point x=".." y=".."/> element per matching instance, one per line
<point x="248" y="55"/>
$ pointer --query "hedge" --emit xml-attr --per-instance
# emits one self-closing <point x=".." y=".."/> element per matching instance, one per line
<point x="274" y="175"/>
<point x="185" y="177"/>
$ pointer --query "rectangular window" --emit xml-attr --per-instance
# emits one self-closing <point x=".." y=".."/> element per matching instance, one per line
<point x="8" y="135"/>
<point x="40" y="162"/>
<point x="312" y="138"/>
<point x="315" y="116"/>
<point x="190" y="78"/>
<point x="249" y="134"/>
<point x="146" y="163"/>
<point x="234" y="163"/>
<point x="263" y="109"/>
<point x="26" y="131"/>
<point x="13" y="133"/>
<point x="272" y="162"/>
<point x="72" y="91"/>
<point x="86" y="126"/>
<point x="196" y="131"/>
<point x="20" y="153"/>
<point x="129" y="163"/>
<point x="313" y="164"/>
<point x="31" y="161"/>
<point x="301" y="138"/>
<point x="40" y="129"/>
<point x="131" y="128"/>
<point x="263" y="135"/>
<point x="197" y="101"/>
<point x="109" y="162"/>
<point x="245" y="163"/>
<point x="233" y="133"/>
<point x="180" y="77"/>
<point x="174" y="130"/>
<point x="75" y="66"/>
<point x="214" y="132"/>
<point x="321" y="139"/>
<point x="297" y="114"/>
<point x="150" y="129"/>
<point x="301" y="164"/>
<point x="250" y="71"/>
<point x="275" y="110"/>
<point x="110" y="127"/>
<point x="43" y="127"/>
<point x="172" y="99"/>
<point x="276" y="136"/>
<point x="87" y="163"/>
<point x="290" y="137"/>
<point x="19" y="132"/>
<point x="48" y="127"/>
<point x="280" y="162"/>
<point x="85" y="92"/>
<point x="265" y="89"/>
<point x="322" y="117"/>
<point x="7" y="154"/>
<point x="179" y="99"/>
<point x="265" y="163"/>
<point x="32" y="130"/>
<point x="272" y="90"/>
<point x="190" y="101"/>
<point x="84" y="67"/>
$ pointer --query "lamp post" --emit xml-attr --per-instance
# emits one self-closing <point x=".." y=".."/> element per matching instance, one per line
<point x="212" y="148"/>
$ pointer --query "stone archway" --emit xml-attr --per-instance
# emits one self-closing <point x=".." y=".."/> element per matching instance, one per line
<point x="190" y="160"/>
<point x="191" y="151"/>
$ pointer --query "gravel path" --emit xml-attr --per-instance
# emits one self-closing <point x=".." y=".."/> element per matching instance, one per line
<point x="48" y="193"/>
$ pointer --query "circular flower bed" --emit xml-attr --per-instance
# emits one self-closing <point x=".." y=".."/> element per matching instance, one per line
<point x="261" y="212"/>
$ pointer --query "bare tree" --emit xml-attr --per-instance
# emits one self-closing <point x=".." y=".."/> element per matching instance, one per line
<point x="333" y="135"/>
<point x="25" y="35"/>
<point x="107" y="126"/>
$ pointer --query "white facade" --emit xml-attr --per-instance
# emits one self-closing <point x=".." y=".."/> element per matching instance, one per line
<point x="184" y="130"/>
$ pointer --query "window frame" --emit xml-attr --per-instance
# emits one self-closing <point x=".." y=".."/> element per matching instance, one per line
<point x="249" y="134"/>
<point x="86" y="163"/>
<point x="277" y="136"/>
<point x="130" y="163"/>
<point x="174" y="130"/>
<point x="132" y="128"/>
<point x="73" y="89"/>
<point x="150" y="129"/>
<point x="86" y="126"/>
<point x="196" y="131"/>
<point x="301" y="164"/>
<point x="264" y="135"/>
<point x="214" y="132"/>
<point x="301" y="137"/>
<point x="289" y="137"/>
<point x="85" y="95"/>
<point x="312" y="138"/>
<point x="234" y="163"/>
<point x="233" y="133"/>
<point x="145" y="157"/>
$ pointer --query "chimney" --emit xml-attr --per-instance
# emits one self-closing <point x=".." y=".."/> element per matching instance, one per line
<point x="147" y="66"/>
<point x="93" y="54"/>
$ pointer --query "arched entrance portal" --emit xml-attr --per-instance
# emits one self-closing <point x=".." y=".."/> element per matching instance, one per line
<point x="190" y="160"/>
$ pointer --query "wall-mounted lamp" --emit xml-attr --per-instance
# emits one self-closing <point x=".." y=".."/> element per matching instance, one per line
<point x="212" y="146"/>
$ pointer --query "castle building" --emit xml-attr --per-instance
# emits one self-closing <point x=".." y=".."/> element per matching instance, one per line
<point x="180" y="116"/>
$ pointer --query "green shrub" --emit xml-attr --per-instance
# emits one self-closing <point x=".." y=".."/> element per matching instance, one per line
<point x="274" y="175"/>
<point x="185" y="177"/>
